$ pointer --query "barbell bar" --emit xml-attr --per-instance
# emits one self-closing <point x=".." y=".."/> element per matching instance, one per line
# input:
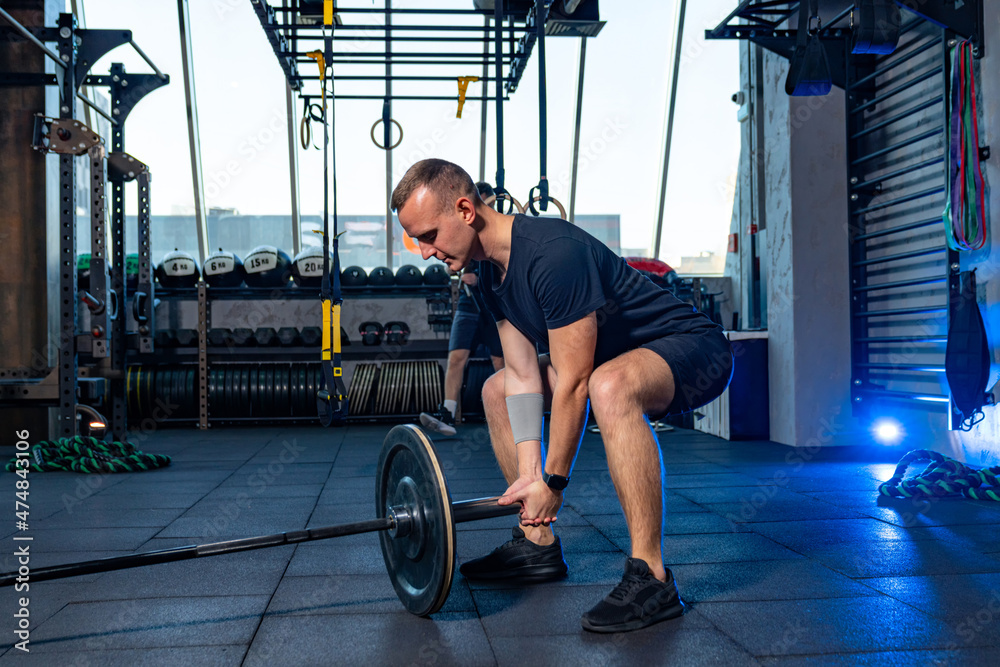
<point x="415" y="519"/>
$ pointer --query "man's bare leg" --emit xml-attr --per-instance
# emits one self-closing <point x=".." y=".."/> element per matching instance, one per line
<point x="622" y="391"/>
<point x="454" y="374"/>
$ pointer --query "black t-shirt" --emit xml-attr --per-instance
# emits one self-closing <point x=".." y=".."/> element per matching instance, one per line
<point x="559" y="273"/>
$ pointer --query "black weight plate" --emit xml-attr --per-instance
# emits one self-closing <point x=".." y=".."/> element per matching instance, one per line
<point x="147" y="391"/>
<point x="255" y="404"/>
<point x="158" y="386"/>
<point x="281" y="390"/>
<point x="421" y="563"/>
<point x="176" y="382"/>
<point x="265" y="392"/>
<point x="293" y="389"/>
<point x="189" y="408"/>
<point x="245" y="391"/>
<point x="214" y="393"/>
<point x="269" y="390"/>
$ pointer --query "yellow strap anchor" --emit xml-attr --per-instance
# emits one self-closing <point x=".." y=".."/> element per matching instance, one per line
<point x="463" y="86"/>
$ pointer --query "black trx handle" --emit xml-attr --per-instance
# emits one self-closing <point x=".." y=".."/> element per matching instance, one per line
<point x="541" y="15"/>
<point x="809" y="74"/>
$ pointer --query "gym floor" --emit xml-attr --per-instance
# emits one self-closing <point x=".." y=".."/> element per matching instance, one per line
<point x="783" y="557"/>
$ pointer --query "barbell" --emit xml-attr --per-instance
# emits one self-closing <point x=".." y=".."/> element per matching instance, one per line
<point x="415" y="519"/>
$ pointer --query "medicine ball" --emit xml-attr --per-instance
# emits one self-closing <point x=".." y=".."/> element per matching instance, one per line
<point x="408" y="275"/>
<point x="354" y="276"/>
<point x="178" y="269"/>
<point x="83" y="271"/>
<point x="266" y="266"/>
<point x="224" y="269"/>
<point x="436" y="274"/>
<point x="307" y="267"/>
<point x="381" y="277"/>
<point x="132" y="271"/>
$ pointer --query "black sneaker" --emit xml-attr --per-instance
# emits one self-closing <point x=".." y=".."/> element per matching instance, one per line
<point x="521" y="559"/>
<point x="638" y="601"/>
<point x="442" y="422"/>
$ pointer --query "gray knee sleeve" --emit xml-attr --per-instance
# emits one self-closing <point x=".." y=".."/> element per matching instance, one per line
<point x="525" y="413"/>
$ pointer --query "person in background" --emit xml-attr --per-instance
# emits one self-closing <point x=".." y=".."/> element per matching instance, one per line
<point x="472" y="325"/>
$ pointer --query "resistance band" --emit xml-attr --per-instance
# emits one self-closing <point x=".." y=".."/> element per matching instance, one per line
<point x="965" y="212"/>
<point x="944" y="477"/>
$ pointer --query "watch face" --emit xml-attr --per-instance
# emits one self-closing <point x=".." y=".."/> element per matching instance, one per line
<point x="555" y="482"/>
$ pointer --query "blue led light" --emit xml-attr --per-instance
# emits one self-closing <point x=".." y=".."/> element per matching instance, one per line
<point x="888" y="431"/>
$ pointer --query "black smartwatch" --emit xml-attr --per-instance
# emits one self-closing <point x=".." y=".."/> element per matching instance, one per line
<point x="555" y="482"/>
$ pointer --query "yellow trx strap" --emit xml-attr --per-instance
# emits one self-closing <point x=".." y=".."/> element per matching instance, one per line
<point x="463" y="86"/>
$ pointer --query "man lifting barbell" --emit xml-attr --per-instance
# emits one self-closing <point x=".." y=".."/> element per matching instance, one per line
<point x="616" y="339"/>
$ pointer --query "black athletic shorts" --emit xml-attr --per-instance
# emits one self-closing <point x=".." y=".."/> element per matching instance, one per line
<point x="702" y="364"/>
<point x="471" y="329"/>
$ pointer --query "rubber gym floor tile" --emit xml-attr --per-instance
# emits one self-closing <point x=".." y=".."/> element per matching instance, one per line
<point x="609" y="504"/>
<point x="296" y="508"/>
<point x="700" y="468"/>
<point x="738" y="494"/>
<point x="724" y="479"/>
<point x="675" y="523"/>
<point x="972" y="599"/>
<point x="366" y="470"/>
<point x="900" y="558"/>
<point x="544" y="611"/>
<point x="120" y="518"/>
<point x="190" y="656"/>
<point x="764" y="580"/>
<point x="332" y="557"/>
<point x="940" y="657"/>
<point x="716" y="548"/>
<point x="269" y="491"/>
<point x="150" y="623"/>
<point x="759" y="507"/>
<point x="807" y="535"/>
<point x="138" y="487"/>
<point x="99" y="501"/>
<point x="276" y="472"/>
<point x="90" y="539"/>
<point x="370" y="639"/>
<point x="235" y="520"/>
<point x="983" y="538"/>
<point x="841" y="625"/>
<point x="664" y="644"/>
<point x="255" y="572"/>
<point x="933" y="512"/>
<point x="327" y="515"/>
<point x="575" y="539"/>
<point x="355" y="594"/>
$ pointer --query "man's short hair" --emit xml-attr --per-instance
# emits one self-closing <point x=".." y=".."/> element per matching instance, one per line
<point x="445" y="179"/>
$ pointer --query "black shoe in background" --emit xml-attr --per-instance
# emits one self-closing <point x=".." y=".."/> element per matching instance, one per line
<point x="520" y="559"/>
<point x="442" y="421"/>
<point x="640" y="600"/>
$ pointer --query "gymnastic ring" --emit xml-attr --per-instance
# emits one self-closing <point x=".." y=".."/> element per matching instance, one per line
<point x="514" y="203"/>
<point x="553" y="200"/>
<point x="398" y="141"/>
<point x="305" y="132"/>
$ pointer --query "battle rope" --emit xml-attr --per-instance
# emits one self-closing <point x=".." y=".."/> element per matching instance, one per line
<point x="89" y="455"/>
<point x="943" y="477"/>
<point x="965" y="212"/>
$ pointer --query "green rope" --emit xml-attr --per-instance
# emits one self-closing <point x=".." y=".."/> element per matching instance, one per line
<point x="89" y="455"/>
<point x="944" y="477"/>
